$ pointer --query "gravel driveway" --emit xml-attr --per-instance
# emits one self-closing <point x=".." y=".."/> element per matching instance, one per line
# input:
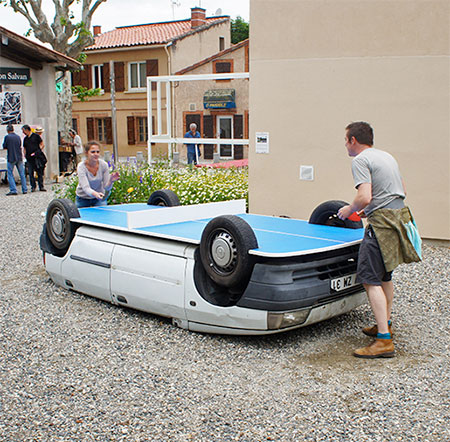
<point x="77" y="369"/>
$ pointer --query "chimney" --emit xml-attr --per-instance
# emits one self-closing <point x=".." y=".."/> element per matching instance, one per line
<point x="97" y="30"/>
<point x="197" y="17"/>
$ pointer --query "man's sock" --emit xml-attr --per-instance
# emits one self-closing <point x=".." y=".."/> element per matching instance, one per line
<point x="384" y="336"/>
<point x="389" y="322"/>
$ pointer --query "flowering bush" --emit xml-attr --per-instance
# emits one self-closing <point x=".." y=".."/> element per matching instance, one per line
<point x="192" y="185"/>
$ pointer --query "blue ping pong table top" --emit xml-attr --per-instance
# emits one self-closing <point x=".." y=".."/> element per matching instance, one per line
<point x="277" y="237"/>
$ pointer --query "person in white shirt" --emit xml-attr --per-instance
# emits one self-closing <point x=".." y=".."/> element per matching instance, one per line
<point x="76" y="144"/>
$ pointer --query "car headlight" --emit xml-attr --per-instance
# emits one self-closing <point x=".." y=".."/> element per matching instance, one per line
<point x="286" y="319"/>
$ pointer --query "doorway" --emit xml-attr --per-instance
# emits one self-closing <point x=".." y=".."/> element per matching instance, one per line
<point x="225" y="130"/>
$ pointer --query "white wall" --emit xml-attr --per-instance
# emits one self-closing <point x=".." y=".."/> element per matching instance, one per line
<point x="38" y="109"/>
<point x="315" y="66"/>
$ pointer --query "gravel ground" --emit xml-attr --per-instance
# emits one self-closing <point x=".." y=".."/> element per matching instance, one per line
<point x="77" y="369"/>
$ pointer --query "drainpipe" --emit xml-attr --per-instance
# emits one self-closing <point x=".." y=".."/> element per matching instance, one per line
<point x="169" y="70"/>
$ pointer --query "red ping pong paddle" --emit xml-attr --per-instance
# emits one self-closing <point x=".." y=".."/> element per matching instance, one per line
<point x="354" y="217"/>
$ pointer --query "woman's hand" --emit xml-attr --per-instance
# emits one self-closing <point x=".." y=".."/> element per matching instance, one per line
<point x="114" y="177"/>
<point x="98" y="195"/>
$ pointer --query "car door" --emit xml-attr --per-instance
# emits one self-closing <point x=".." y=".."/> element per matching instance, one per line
<point x="86" y="267"/>
<point x="149" y="281"/>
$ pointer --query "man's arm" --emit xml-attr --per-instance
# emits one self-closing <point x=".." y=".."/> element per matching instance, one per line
<point x="362" y="198"/>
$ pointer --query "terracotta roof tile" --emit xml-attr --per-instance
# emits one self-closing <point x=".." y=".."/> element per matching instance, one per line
<point x="149" y="34"/>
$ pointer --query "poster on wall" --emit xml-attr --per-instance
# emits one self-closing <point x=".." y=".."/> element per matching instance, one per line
<point x="10" y="108"/>
<point x="262" y="142"/>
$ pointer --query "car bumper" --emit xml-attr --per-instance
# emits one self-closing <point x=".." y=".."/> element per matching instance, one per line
<point x="311" y="316"/>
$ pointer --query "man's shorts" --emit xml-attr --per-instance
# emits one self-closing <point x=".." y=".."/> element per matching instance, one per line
<point x="371" y="269"/>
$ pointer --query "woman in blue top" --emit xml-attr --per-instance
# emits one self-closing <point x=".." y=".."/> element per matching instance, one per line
<point x="94" y="179"/>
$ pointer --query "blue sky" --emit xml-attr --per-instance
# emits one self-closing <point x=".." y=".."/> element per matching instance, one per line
<point x="114" y="13"/>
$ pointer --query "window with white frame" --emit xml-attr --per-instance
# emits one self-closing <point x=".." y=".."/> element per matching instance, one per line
<point x="97" y="76"/>
<point x="137" y="75"/>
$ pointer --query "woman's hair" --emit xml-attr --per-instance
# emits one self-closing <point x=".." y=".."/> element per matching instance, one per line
<point x="91" y="143"/>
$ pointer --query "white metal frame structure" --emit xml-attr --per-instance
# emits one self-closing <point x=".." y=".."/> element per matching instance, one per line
<point x="168" y="137"/>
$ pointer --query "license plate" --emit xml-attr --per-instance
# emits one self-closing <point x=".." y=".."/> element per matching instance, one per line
<point x="343" y="283"/>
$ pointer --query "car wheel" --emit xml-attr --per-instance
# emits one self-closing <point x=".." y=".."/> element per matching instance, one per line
<point x="60" y="230"/>
<point x="224" y="248"/>
<point x="165" y="197"/>
<point x="326" y="214"/>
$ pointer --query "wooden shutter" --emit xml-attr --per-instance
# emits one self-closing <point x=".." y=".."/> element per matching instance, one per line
<point x="208" y="132"/>
<point x="86" y="76"/>
<point x="238" y="126"/>
<point x="119" y="75"/>
<point x="108" y="125"/>
<point x="131" y="130"/>
<point x="238" y="130"/>
<point x="152" y="70"/>
<point x="90" y="128"/>
<point x="76" y="78"/>
<point x="208" y="128"/>
<point x="106" y="80"/>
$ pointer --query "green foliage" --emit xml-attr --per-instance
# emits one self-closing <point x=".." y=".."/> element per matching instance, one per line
<point x="83" y="93"/>
<point x="239" y="30"/>
<point x="80" y="29"/>
<point x="192" y="185"/>
<point x="82" y="57"/>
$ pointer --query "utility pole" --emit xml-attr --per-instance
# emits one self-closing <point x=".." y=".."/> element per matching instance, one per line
<point x="113" y="111"/>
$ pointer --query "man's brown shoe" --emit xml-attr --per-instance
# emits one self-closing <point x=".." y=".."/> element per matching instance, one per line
<point x="380" y="348"/>
<point x="373" y="331"/>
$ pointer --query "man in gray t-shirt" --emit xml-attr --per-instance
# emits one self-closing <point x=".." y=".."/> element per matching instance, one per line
<point x="379" y="169"/>
<point x="379" y="185"/>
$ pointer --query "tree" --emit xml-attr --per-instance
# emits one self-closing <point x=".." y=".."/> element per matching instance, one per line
<point x="239" y="30"/>
<point x="65" y="35"/>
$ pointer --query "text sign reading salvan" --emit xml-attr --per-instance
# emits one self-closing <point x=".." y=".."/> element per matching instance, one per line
<point x="14" y="75"/>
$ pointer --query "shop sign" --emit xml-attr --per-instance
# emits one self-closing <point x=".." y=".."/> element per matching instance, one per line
<point x="14" y="75"/>
<point x="220" y="99"/>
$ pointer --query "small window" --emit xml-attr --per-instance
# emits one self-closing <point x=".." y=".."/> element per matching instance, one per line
<point x="221" y="43"/>
<point x="222" y="67"/>
<point x="142" y="127"/>
<point x="97" y="76"/>
<point x="101" y="129"/>
<point x="137" y="75"/>
<point x="75" y="124"/>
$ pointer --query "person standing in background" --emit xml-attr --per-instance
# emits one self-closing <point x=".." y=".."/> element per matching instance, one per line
<point x="13" y="144"/>
<point x="76" y="144"/>
<point x="193" y="151"/>
<point x="33" y="145"/>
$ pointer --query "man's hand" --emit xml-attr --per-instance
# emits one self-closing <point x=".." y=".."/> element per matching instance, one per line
<point x="345" y="212"/>
<point x="361" y="213"/>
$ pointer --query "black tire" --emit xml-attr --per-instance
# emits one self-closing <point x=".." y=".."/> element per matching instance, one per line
<point x="326" y="214"/>
<point x="60" y="230"/>
<point x="224" y="248"/>
<point x="164" y="197"/>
